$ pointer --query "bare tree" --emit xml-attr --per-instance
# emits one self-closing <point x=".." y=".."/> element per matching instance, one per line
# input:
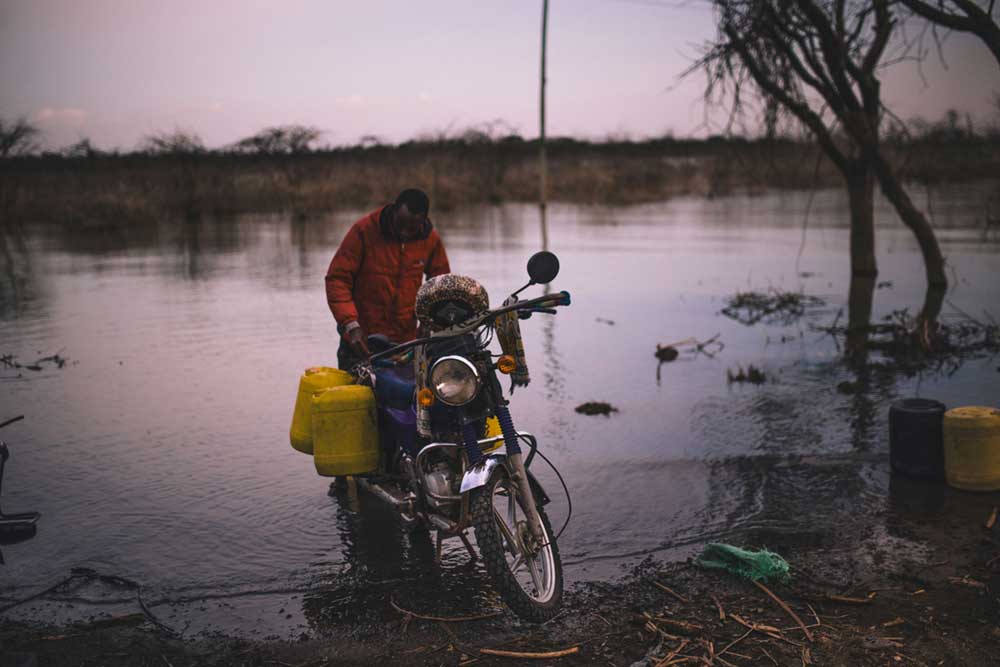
<point x="819" y="60"/>
<point x="977" y="18"/>
<point x="280" y="140"/>
<point x="17" y="137"/>
<point x="81" y="149"/>
<point x="178" y="142"/>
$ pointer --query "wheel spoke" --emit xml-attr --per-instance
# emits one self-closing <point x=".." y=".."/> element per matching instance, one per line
<point x="505" y="530"/>
<point x="533" y="571"/>
<point x="518" y="562"/>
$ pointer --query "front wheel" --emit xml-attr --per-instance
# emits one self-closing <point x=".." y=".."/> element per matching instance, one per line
<point x="527" y="574"/>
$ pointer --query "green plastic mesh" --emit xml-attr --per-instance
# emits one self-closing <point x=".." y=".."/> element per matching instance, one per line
<point x="760" y="565"/>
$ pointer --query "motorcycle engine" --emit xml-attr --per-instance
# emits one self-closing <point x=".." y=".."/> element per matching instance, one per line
<point x="439" y="482"/>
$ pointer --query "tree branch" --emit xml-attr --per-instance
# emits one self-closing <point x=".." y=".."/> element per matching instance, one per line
<point x="801" y="110"/>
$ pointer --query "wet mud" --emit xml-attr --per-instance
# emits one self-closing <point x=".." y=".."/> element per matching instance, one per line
<point x="917" y="585"/>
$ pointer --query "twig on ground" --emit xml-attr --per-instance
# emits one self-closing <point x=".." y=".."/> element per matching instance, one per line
<point x="848" y="600"/>
<point x="736" y="641"/>
<point x="770" y="631"/>
<point x="815" y="615"/>
<point x="990" y="522"/>
<point x="692" y="628"/>
<point x="671" y="591"/>
<point x="722" y="613"/>
<point x="967" y="581"/>
<point x="530" y="655"/>
<point x="769" y="656"/>
<point x="441" y="619"/>
<point x="667" y="658"/>
<point x="760" y="627"/>
<point x="784" y="606"/>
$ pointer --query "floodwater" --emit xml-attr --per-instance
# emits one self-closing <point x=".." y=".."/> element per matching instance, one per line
<point x="159" y="453"/>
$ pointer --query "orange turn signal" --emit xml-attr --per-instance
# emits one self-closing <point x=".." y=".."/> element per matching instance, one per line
<point x="506" y="364"/>
<point x="425" y="398"/>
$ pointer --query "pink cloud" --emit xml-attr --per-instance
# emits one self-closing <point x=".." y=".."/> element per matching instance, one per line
<point x="60" y="116"/>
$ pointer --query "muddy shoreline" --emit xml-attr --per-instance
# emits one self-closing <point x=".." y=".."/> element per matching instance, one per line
<point x="861" y="600"/>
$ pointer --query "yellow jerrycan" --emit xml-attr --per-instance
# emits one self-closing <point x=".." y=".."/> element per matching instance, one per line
<point x="345" y="431"/>
<point x="314" y="380"/>
<point x="972" y="448"/>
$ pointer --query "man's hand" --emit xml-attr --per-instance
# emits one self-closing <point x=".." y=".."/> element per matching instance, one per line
<point x="357" y="339"/>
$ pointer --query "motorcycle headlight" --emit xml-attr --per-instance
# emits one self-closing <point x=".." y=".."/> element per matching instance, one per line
<point x="454" y="380"/>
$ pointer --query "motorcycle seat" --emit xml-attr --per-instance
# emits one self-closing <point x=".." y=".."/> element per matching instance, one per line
<point x="395" y="386"/>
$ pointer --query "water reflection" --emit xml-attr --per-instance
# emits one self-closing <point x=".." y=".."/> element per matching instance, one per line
<point x="192" y="439"/>
<point x="380" y="561"/>
<point x="21" y="290"/>
<point x="9" y="536"/>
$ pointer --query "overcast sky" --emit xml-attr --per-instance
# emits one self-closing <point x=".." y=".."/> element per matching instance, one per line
<point x="117" y="70"/>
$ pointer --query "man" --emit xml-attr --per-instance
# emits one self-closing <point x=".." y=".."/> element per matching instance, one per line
<point x="372" y="282"/>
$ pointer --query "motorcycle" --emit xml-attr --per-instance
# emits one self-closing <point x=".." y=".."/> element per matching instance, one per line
<point x="441" y="467"/>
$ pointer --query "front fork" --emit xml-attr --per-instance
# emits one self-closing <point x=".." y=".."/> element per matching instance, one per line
<point x="518" y="473"/>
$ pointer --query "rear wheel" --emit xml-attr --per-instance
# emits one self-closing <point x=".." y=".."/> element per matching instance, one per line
<point x="528" y="574"/>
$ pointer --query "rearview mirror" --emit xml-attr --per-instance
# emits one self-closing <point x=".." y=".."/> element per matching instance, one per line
<point x="543" y="267"/>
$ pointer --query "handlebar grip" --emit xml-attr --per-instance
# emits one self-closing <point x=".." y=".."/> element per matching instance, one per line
<point x="561" y="299"/>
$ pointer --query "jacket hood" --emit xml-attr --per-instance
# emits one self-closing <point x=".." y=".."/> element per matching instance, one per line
<point x="385" y="225"/>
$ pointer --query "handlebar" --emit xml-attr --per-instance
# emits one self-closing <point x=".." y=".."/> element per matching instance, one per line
<point x="542" y="304"/>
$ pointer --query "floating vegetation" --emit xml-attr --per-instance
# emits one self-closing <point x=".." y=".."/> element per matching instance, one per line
<point x="671" y="351"/>
<point x="9" y="361"/>
<point x="666" y="353"/>
<point x="772" y="307"/>
<point x="596" y="408"/>
<point x="909" y="344"/>
<point x="752" y="375"/>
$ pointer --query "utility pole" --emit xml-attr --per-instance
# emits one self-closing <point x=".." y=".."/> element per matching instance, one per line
<point x="542" y="166"/>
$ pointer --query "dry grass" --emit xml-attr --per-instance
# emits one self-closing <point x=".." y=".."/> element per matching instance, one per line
<point x="454" y="172"/>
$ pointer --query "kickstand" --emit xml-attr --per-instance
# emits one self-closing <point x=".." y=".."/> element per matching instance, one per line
<point x="468" y="546"/>
<point x="437" y="549"/>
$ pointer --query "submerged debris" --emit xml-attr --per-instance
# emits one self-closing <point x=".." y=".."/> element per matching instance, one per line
<point x="10" y="361"/>
<point x="752" y="374"/>
<point x="773" y="307"/>
<point x="848" y="387"/>
<point x="709" y="348"/>
<point x="667" y="353"/>
<point x="909" y="344"/>
<point x="596" y="408"/>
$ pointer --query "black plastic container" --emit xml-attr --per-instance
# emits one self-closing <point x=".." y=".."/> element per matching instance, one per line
<point x="916" y="442"/>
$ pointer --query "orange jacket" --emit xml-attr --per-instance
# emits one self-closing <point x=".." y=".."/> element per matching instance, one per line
<point x="373" y="279"/>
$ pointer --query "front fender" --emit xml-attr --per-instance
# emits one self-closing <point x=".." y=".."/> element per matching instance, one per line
<point x="477" y="476"/>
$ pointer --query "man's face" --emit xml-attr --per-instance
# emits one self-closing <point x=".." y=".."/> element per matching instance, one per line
<point x="408" y="225"/>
